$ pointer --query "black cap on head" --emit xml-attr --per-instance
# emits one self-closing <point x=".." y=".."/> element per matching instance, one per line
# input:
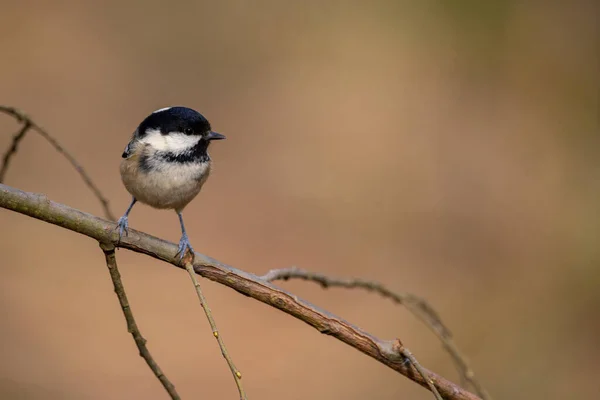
<point x="175" y="119"/>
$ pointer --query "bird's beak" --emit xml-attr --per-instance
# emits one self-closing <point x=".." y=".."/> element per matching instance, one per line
<point x="214" y="136"/>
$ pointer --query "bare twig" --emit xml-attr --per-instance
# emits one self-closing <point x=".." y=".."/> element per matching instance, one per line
<point x="12" y="150"/>
<point x="416" y="305"/>
<point x="237" y="375"/>
<point x="111" y="263"/>
<point x="399" y="347"/>
<point x="419" y="305"/>
<point x="22" y="117"/>
<point x="40" y="207"/>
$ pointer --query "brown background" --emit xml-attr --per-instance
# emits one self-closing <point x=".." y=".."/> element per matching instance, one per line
<point x="448" y="149"/>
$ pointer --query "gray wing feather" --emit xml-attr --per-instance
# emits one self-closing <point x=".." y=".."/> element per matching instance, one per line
<point x="129" y="148"/>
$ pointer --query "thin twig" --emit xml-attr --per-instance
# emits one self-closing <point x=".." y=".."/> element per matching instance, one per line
<point x="348" y="283"/>
<point x="237" y="375"/>
<point x="406" y="353"/>
<point x="22" y="117"/>
<point x="12" y="150"/>
<point x="416" y="305"/>
<point x="111" y="263"/>
<point x="40" y="207"/>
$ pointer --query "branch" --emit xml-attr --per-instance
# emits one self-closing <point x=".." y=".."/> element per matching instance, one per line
<point x="406" y="353"/>
<point x="12" y="150"/>
<point x="237" y="375"/>
<point x="40" y="207"/>
<point x="111" y="263"/>
<point x="28" y="123"/>
<point x="416" y="305"/>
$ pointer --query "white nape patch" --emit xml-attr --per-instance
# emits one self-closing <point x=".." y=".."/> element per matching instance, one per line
<point x="162" y="109"/>
<point x="173" y="141"/>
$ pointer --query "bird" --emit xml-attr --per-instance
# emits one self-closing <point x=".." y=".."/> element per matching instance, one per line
<point x="166" y="163"/>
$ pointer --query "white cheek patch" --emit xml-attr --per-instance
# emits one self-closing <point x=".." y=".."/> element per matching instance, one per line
<point x="162" y="109"/>
<point x="173" y="141"/>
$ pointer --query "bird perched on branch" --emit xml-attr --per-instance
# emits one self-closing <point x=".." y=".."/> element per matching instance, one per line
<point x="166" y="163"/>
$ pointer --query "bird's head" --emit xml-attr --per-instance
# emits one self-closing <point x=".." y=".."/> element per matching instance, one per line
<point x="176" y="129"/>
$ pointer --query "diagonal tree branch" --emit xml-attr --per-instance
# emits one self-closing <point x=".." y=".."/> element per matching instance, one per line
<point x="40" y="207"/>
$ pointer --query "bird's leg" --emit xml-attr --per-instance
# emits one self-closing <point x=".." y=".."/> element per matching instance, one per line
<point x="184" y="242"/>
<point x="122" y="223"/>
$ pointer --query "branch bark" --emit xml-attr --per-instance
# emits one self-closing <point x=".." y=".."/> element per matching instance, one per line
<point x="40" y="207"/>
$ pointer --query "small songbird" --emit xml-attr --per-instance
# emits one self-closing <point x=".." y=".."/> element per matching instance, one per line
<point x="166" y="163"/>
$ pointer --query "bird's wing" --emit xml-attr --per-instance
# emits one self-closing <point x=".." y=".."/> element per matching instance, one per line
<point x="130" y="146"/>
<point x="127" y="151"/>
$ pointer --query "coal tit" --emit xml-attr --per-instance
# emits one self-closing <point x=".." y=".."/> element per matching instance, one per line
<point x="166" y="163"/>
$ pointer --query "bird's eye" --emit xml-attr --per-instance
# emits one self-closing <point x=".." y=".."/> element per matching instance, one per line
<point x="188" y="131"/>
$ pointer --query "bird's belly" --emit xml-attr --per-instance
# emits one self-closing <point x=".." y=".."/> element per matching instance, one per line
<point x="171" y="187"/>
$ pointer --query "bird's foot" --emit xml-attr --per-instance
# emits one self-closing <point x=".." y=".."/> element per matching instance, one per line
<point x="184" y="246"/>
<point x="123" y="226"/>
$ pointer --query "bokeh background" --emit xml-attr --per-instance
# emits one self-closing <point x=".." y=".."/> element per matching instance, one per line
<point x="448" y="149"/>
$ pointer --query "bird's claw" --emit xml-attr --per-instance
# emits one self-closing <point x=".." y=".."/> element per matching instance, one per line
<point x="123" y="226"/>
<point x="184" y="245"/>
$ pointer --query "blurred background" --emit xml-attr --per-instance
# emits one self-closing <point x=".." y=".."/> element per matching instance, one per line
<point x="447" y="149"/>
